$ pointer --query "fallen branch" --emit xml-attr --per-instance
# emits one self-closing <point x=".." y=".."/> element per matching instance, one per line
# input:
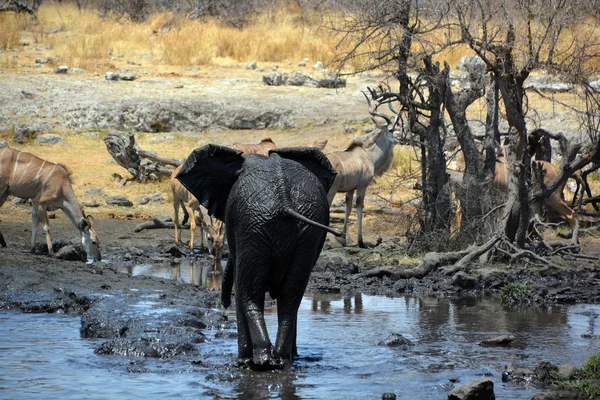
<point x="143" y="165"/>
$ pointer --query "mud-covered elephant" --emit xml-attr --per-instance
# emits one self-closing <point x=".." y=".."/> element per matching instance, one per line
<point x="276" y="213"/>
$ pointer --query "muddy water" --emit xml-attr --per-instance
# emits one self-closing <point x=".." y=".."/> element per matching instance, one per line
<point x="42" y="356"/>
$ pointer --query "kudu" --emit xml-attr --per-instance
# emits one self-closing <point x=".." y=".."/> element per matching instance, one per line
<point x="267" y="144"/>
<point x="213" y="228"/>
<point x="500" y="186"/>
<point x="359" y="163"/>
<point x="48" y="185"/>
<point x="554" y="201"/>
<point x="261" y="148"/>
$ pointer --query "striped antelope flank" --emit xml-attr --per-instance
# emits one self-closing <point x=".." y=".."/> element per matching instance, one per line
<point x="213" y="228"/>
<point x="500" y="186"/>
<point x="555" y="201"/>
<point x="261" y="148"/>
<point x="48" y="185"/>
<point x="358" y="164"/>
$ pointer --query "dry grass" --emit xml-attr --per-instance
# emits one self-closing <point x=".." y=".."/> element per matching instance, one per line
<point x="279" y="35"/>
<point x="90" y="42"/>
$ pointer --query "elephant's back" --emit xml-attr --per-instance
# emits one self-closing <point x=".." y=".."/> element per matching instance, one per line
<point x="268" y="184"/>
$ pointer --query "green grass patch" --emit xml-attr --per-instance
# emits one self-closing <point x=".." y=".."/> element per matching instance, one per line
<point x="516" y="293"/>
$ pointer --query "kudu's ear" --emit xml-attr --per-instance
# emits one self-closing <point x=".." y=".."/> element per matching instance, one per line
<point x="209" y="174"/>
<point x="312" y="159"/>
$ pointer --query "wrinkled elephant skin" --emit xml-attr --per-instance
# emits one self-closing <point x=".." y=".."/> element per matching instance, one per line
<point x="276" y="212"/>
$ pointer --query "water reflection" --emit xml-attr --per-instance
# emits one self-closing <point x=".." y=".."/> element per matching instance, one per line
<point x="198" y="272"/>
<point x="322" y="302"/>
<point x="338" y="342"/>
<point x="195" y="271"/>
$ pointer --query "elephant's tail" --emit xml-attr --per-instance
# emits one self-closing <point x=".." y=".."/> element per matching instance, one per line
<point x="297" y="215"/>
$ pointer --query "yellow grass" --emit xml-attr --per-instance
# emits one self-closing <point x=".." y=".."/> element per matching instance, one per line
<point x="93" y="43"/>
<point x="278" y="35"/>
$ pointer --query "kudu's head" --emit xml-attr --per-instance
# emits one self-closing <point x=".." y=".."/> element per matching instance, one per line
<point x="387" y="129"/>
<point x="89" y="238"/>
<point x="215" y="235"/>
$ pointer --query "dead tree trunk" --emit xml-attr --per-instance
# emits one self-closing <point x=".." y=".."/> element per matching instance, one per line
<point x="436" y="191"/>
<point x="143" y="165"/>
<point x="475" y="193"/>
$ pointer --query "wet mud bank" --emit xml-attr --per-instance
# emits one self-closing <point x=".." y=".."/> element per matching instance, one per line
<point x="139" y="316"/>
<point x="382" y="271"/>
<point x="149" y="316"/>
<point x="132" y="317"/>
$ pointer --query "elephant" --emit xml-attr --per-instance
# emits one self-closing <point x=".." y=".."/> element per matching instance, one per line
<point x="276" y="212"/>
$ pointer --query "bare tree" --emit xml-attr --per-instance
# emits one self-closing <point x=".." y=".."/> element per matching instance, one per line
<point x="514" y="38"/>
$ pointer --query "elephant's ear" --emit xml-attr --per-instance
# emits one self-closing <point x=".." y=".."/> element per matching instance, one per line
<point x="312" y="159"/>
<point x="208" y="173"/>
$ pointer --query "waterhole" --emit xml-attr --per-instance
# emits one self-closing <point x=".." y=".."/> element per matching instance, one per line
<point x="43" y="356"/>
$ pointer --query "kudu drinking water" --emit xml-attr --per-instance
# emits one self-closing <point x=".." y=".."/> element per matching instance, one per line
<point x="359" y="163"/>
<point x="213" y="228"/>
<point x="48" y="185"/>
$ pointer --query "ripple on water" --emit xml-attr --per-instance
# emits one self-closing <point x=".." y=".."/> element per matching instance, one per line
<point x="42" y="355"/>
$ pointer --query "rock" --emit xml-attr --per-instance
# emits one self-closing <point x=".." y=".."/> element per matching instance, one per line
<point x="350" y="129"/>
<point x="3" y="143"/>
<point x="298" y="78"/>
<point x="28" y="95"/>
<point x="92" y="204"/>
<point x="111" y="76"/>
<point x="274" y="68"/>
<point x="128" y="76"/>
<point x="516" y="374"/>
<point x="77" y="71"/>
<point x="63" y="69"/>
<point x="49" y="138"/>
<point x="180" y="114"/>
<point x="463" y="280"/>
<point x="95" y="192"/>
<point x="566" y="372"/>
<point x="318" y="65"/>
<point x="546" y="372"/>
<point x="388" y="396"/>
<point x="119" y="201"/>
<point x="143" y="200"/>
<point x="478" y="389"/>
<point x="24" y="132"/>
<point x="473" y="65"/>
<point x="275" y="79"/>
<point x="302" y="64"/>
<point x="335" y="261"/>
<point x="396" y="340"/>
<point x="42" y="60"/>
<point x="330" y="83"/>
<point x="72" y="253"/>
<point x="502" y="340"/>
<point x="157" y="197"/>
<point x="251" y="65"/>
<point x="173" y="250"/>
<point x="145" y="347"/>
<point x="546" y="83"/>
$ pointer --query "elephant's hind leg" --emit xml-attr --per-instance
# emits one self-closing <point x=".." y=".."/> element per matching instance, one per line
<point x="252" y="280"/>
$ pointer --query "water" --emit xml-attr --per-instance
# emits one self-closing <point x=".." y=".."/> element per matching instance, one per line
<point x="43" y="356"/>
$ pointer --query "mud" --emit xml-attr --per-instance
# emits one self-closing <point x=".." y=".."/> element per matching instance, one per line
<point x="121" y="307"/>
